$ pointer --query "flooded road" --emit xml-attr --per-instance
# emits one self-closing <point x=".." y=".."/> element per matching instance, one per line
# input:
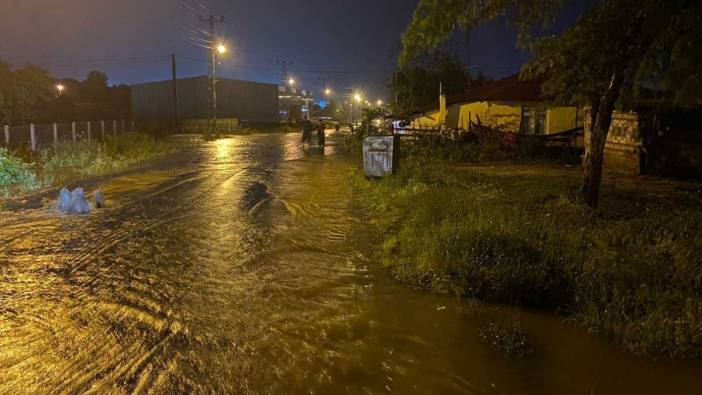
<point x="242" y="266"/>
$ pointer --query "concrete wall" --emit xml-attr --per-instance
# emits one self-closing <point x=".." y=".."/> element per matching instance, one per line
<point x="560" y="119"/>
<point x="427" y="121"/>
<point x="623" y="148"/>
<point x="244" y="100"/>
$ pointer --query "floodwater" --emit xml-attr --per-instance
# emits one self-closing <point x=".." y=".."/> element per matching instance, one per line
<point x="242" y="266"/>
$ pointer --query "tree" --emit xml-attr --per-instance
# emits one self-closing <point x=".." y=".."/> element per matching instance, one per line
<point x="606" y="55"/>
<point x="29" y="89"/>
<point x="95" y="88"/>
<point x="6" y="86"/>
<point x="416" y="84"/>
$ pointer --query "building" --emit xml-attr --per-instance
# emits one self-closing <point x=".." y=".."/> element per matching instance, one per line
<point x="509" y="104"/>
<point x="244" y="101"/>
<point x="295" y="104"/>
<point x="512" y="105"/>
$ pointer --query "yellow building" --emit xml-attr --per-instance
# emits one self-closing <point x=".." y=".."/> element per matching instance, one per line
<point x="509" y="104"/>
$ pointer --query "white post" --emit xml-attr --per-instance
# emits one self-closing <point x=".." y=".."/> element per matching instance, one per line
<point x="32" y="137"/>
<point x="102" y="130"/>
<point x="55" y="133"/>
<point x="7" y="135"/>
<point x="88" y="130"/>
<point x="114" y="127"/>
<point x="73" y="130"/>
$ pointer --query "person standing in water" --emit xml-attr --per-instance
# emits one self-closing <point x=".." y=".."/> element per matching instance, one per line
<point x="321" y="137"/>
<point x="307" y="128"/>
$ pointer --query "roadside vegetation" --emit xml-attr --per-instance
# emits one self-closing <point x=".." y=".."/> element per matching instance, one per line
<point x="21" y="172"/>
<point x="510" y="231"/>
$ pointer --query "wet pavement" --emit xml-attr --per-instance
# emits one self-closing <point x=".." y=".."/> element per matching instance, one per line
<point x="242" y="266"/>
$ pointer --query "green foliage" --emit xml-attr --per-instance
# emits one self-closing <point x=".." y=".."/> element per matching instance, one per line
<point x="642" y="41"/>
<point x="507" y="233"/>
<point x="416" y="84"/>
<point x="68" y="160"/>
<point x="83" y="158"/>
<point x="23" y="92"/>
<point x="15" y="174"/>
<point x="436" y="20"/>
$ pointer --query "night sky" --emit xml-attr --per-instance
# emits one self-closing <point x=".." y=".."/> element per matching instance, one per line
<point x="351" y="43"/>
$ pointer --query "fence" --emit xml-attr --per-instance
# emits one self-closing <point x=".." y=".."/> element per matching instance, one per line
<point x="34" y="137"/>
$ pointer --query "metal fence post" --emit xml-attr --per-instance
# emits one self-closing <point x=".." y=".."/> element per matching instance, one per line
<point x="55" y="133"/>
<point x="88" y="130"/>
<point x="32" y="137"/>
<point x="102" y="130"/>
<point x="73" y="130"/>
<point x="7" y="135"/>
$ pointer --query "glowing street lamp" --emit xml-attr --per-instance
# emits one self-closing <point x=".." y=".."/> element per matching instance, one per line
<point x="380" y="103"/>
<point x="327" y="91"/>
<point x="60" y="88"/>
<point x="291" y="81"/>
<point x="357" y="97"/>
<point x="221" y="48"/>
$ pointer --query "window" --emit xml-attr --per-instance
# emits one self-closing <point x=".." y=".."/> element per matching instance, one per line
<point x="533" y="121"/>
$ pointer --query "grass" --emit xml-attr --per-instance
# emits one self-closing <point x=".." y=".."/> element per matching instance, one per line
<point x="16" y="175"/>
<point x="510" y="232"/>
<point x="508" y="339"/>
<point x="69" y="159"/>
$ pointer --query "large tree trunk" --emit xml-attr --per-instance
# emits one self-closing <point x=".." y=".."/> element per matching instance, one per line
<point x="595" y="140"/>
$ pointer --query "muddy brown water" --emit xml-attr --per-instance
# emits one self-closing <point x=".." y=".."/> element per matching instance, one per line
<point x="242" y="266"/>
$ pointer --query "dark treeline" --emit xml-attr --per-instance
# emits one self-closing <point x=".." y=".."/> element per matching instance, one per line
<point x="30" y="94"/>
<point x="415" y="85"/>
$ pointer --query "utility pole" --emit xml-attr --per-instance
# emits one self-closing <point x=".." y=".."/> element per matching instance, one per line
<point x="212" y="69"/>
<point x="175" y="92"/>
<point x="470" y="77"/>
<point x="283" y="79"/>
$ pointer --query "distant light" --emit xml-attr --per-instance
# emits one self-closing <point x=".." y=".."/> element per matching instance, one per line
<point x="357" y="97"/>
<point x="380" y="103"/>
<point x="327" y="91"/>
<point x="60" y="88"/>
<point x="221" y="48"/>
<point x="291" y="81"/>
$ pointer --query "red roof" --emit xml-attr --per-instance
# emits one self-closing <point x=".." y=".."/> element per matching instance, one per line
<point x="507" y="89"/>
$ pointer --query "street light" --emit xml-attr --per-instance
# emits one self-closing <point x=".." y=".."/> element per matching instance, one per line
<point x="60" y="88"/>
<point x="221" y="48"/>
<point x="327" y="91"/>
<point x="357" y="97"/>
<point x="380" y="103"/>
<point x="291" y="81"/>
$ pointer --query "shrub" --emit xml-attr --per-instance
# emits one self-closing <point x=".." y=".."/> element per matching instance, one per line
<point x="15" y="174"/>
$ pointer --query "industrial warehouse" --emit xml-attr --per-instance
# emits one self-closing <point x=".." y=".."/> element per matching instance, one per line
<point x="188" y="99"/>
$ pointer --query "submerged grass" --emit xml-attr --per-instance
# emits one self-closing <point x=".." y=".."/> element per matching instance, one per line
<point x="511" y="233"/>
<point x="69" y="159"/>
